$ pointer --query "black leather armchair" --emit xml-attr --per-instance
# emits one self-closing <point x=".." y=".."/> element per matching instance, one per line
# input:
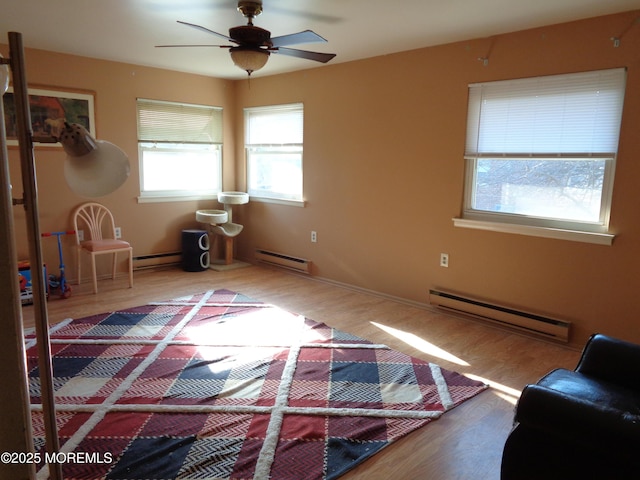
<point x="581" y="424"/>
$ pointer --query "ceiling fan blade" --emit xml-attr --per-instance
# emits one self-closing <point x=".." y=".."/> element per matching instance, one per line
<point x="315" y="56"/>
<point x="206" y="30"/>
<point x="317" y="17"/>
<point x="307" y="36"/>
<point x="168" y="46"/>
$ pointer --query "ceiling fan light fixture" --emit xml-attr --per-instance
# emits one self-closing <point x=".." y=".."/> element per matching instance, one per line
<point x="253" y="44"/>
<point x="249" y="59"/>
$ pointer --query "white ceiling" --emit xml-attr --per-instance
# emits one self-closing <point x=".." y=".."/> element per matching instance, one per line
<point x="128" y="30"/>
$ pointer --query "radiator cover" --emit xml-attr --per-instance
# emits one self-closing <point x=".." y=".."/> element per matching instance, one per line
<point x="142" y="262"/>
<point x="533" y="323"/>
<point x="283" y="260"/>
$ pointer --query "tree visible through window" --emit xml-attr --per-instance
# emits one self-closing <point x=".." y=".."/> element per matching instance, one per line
<point x="570" y="189"/>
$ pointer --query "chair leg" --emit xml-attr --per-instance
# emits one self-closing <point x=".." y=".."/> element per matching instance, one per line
<point x="113" y="266"/>
<point x="78" y="263"/>
<point x="93" y="272"/>
<point x="131" y="268"/>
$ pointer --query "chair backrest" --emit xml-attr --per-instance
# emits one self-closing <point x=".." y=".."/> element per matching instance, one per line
<point x="97" y="219"/>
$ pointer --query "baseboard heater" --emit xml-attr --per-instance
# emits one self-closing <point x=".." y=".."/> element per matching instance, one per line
<point x="284" y="261"/>
<point x="142" y="262"/>
<point x="525" y="321"/>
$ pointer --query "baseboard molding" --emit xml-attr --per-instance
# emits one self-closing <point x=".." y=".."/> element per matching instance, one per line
<point x="411" y="303"/>
<point x="375" y="293"/>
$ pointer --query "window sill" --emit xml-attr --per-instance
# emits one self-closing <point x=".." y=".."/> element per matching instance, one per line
<point x="175" y="198"/>
<point x="556" y="233"/>
<point x="278" y="201"/>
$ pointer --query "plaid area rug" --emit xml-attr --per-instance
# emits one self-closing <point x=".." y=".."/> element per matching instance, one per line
<point x="220" y="386"/>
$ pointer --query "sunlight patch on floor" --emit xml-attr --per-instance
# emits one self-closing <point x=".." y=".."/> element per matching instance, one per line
<point x="508" y="394"/>
<point x="268" y="326"/>
<point x="420" y="344"/>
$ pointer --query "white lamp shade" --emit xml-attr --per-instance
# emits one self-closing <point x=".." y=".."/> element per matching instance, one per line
<point x="4" y="77"/>
<point x="98" y="173"/>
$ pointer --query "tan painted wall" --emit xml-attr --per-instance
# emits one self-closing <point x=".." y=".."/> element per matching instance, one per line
<point x="151" y="227"/>
<point x="383" y="168"/>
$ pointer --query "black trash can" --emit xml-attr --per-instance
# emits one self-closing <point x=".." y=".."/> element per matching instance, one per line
<point x="195" y="250"/>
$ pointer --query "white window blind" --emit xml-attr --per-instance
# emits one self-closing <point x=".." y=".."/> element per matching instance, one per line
<point x="574" y="114"/>
<point x="275" y="125"/>
<point x="160" y="121"/>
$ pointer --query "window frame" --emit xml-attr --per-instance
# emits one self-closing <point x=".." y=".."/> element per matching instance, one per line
<point x="287" y="144"/>
<point x="520" y="223"/>
<point x="147" y="196"/>
<point x="179" y="137"/>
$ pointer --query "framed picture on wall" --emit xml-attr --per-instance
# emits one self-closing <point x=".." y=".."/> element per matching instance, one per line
<point x="50" y="108"/>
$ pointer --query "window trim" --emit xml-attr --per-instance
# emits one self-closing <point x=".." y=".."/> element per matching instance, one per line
<point x="154" y="196"/>
<point x="274" y="109"/>
<point x="600" y="226"/>
<point x="276" y="196"/>
<point x="211" y="137"/>
<point x="567" y="229"/>
<point x="535" y="231"/>
<point x="279" y="201"/>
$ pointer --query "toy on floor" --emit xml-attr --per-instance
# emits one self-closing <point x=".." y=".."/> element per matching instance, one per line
<point x="59" y="283"/>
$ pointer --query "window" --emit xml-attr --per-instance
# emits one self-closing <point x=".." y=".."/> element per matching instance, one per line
<point x="180" y="150"/>
<point x="274" y="151"/>
<point x="540" y="152"/>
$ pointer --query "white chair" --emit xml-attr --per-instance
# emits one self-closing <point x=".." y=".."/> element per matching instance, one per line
<point x="99" y="238"/>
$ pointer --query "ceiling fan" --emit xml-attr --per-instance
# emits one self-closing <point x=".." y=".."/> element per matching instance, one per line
<point x="253" y="45"/>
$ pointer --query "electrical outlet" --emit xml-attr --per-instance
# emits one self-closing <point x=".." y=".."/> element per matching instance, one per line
<point x="118" y="232"/>
<point x="444" y="260"/>
<point x="80" y="234"/>
<point x="314" y="236"/>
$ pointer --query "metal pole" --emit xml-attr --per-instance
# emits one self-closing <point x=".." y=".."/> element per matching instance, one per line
<point x="15" y="423"/>
<point x="27" y="162"/>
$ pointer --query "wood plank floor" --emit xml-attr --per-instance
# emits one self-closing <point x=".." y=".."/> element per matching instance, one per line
<point x="465" y="443"/>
